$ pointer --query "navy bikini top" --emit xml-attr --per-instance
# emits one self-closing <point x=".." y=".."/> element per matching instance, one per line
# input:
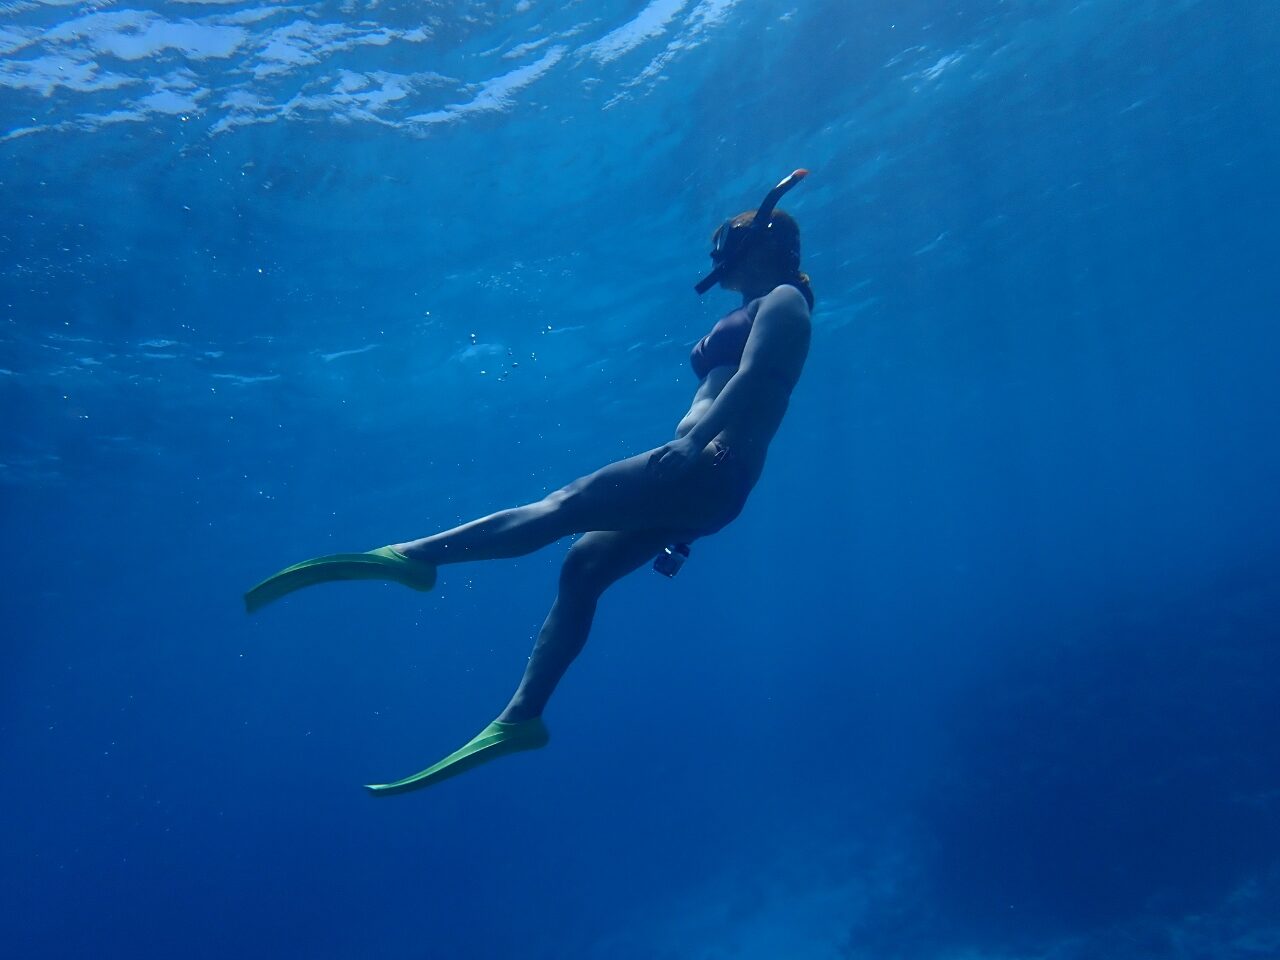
<point x="723" y="346"/>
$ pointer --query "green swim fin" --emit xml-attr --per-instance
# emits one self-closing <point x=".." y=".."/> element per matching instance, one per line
<point x="381" y="564"/>
<point x="496" y="740"/>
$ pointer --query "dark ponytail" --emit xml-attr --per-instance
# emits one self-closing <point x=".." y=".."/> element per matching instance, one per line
<point x="785" y="235"/>
<point x="805" y="287"/>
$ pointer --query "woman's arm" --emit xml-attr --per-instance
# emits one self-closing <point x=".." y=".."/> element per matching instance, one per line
<point x="771" y="362"/>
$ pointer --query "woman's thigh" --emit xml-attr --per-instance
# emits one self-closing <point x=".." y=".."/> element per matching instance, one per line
<point x="599" y="558"/>
<point x="626" y="495"/>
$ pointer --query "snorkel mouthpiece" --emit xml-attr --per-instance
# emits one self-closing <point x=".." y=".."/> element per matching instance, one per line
<point x="709" y="281"/>
<point x="726" y="254"/>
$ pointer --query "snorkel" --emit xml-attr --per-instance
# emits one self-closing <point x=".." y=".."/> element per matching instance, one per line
<point x="729" y="243"/>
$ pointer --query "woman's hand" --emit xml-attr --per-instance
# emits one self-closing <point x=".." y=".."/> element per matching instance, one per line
<point x="675" y="458"/>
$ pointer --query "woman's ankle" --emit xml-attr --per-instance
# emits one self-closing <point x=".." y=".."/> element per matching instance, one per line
<point x="414" y="550"/>
<point x="518" y="713"/>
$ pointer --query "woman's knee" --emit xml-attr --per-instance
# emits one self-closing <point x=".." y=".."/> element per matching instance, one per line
<point x="587" y="567"/>
<point x="545" y="514"/>
<point x="562" y="502"/>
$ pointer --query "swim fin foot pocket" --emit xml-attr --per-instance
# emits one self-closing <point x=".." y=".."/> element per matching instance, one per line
<point x="496" y="740"/>
<point x="381" y="564"/>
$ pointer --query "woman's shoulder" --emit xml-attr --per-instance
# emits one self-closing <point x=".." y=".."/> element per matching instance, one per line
<point x="784" y="296"/>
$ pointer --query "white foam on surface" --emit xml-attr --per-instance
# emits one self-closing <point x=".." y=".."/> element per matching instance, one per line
<point x="135" y="35"/>
<point x="329" y="357"/>
<point x="495" y="95"/>
<point x="649" y="23"/>
<point x="245" y="380"/>
<point x="227" y="64"/>
<point x="45" y="75"/>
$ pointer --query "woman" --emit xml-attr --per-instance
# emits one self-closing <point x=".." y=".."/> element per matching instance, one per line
<point x="653" y="503"/>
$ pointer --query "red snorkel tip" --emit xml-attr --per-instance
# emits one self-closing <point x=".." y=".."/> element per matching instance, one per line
<point x="791" y="179"/>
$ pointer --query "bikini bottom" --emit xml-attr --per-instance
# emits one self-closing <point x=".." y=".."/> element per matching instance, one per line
<point x="736" y="482"/>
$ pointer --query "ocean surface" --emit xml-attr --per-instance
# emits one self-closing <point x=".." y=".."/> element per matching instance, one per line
<point x="988" y="669"/>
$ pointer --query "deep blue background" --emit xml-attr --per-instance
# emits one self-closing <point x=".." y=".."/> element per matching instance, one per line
<point x="990" y="665"/>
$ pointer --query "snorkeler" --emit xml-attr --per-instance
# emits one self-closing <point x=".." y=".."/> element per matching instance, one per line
<point x="651" y="505"/>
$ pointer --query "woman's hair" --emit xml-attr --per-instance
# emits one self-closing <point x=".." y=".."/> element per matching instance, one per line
<point x="783" y="237"/>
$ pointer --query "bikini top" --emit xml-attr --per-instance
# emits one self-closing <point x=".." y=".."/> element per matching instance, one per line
<point x="723" y="346"/>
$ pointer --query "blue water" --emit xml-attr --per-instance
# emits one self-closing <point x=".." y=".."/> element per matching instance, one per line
<point x="989" y="668"/>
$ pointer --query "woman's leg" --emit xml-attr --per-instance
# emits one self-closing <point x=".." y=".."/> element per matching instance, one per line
<point x="592" y="564"/>
<point x="622" y="496"/>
